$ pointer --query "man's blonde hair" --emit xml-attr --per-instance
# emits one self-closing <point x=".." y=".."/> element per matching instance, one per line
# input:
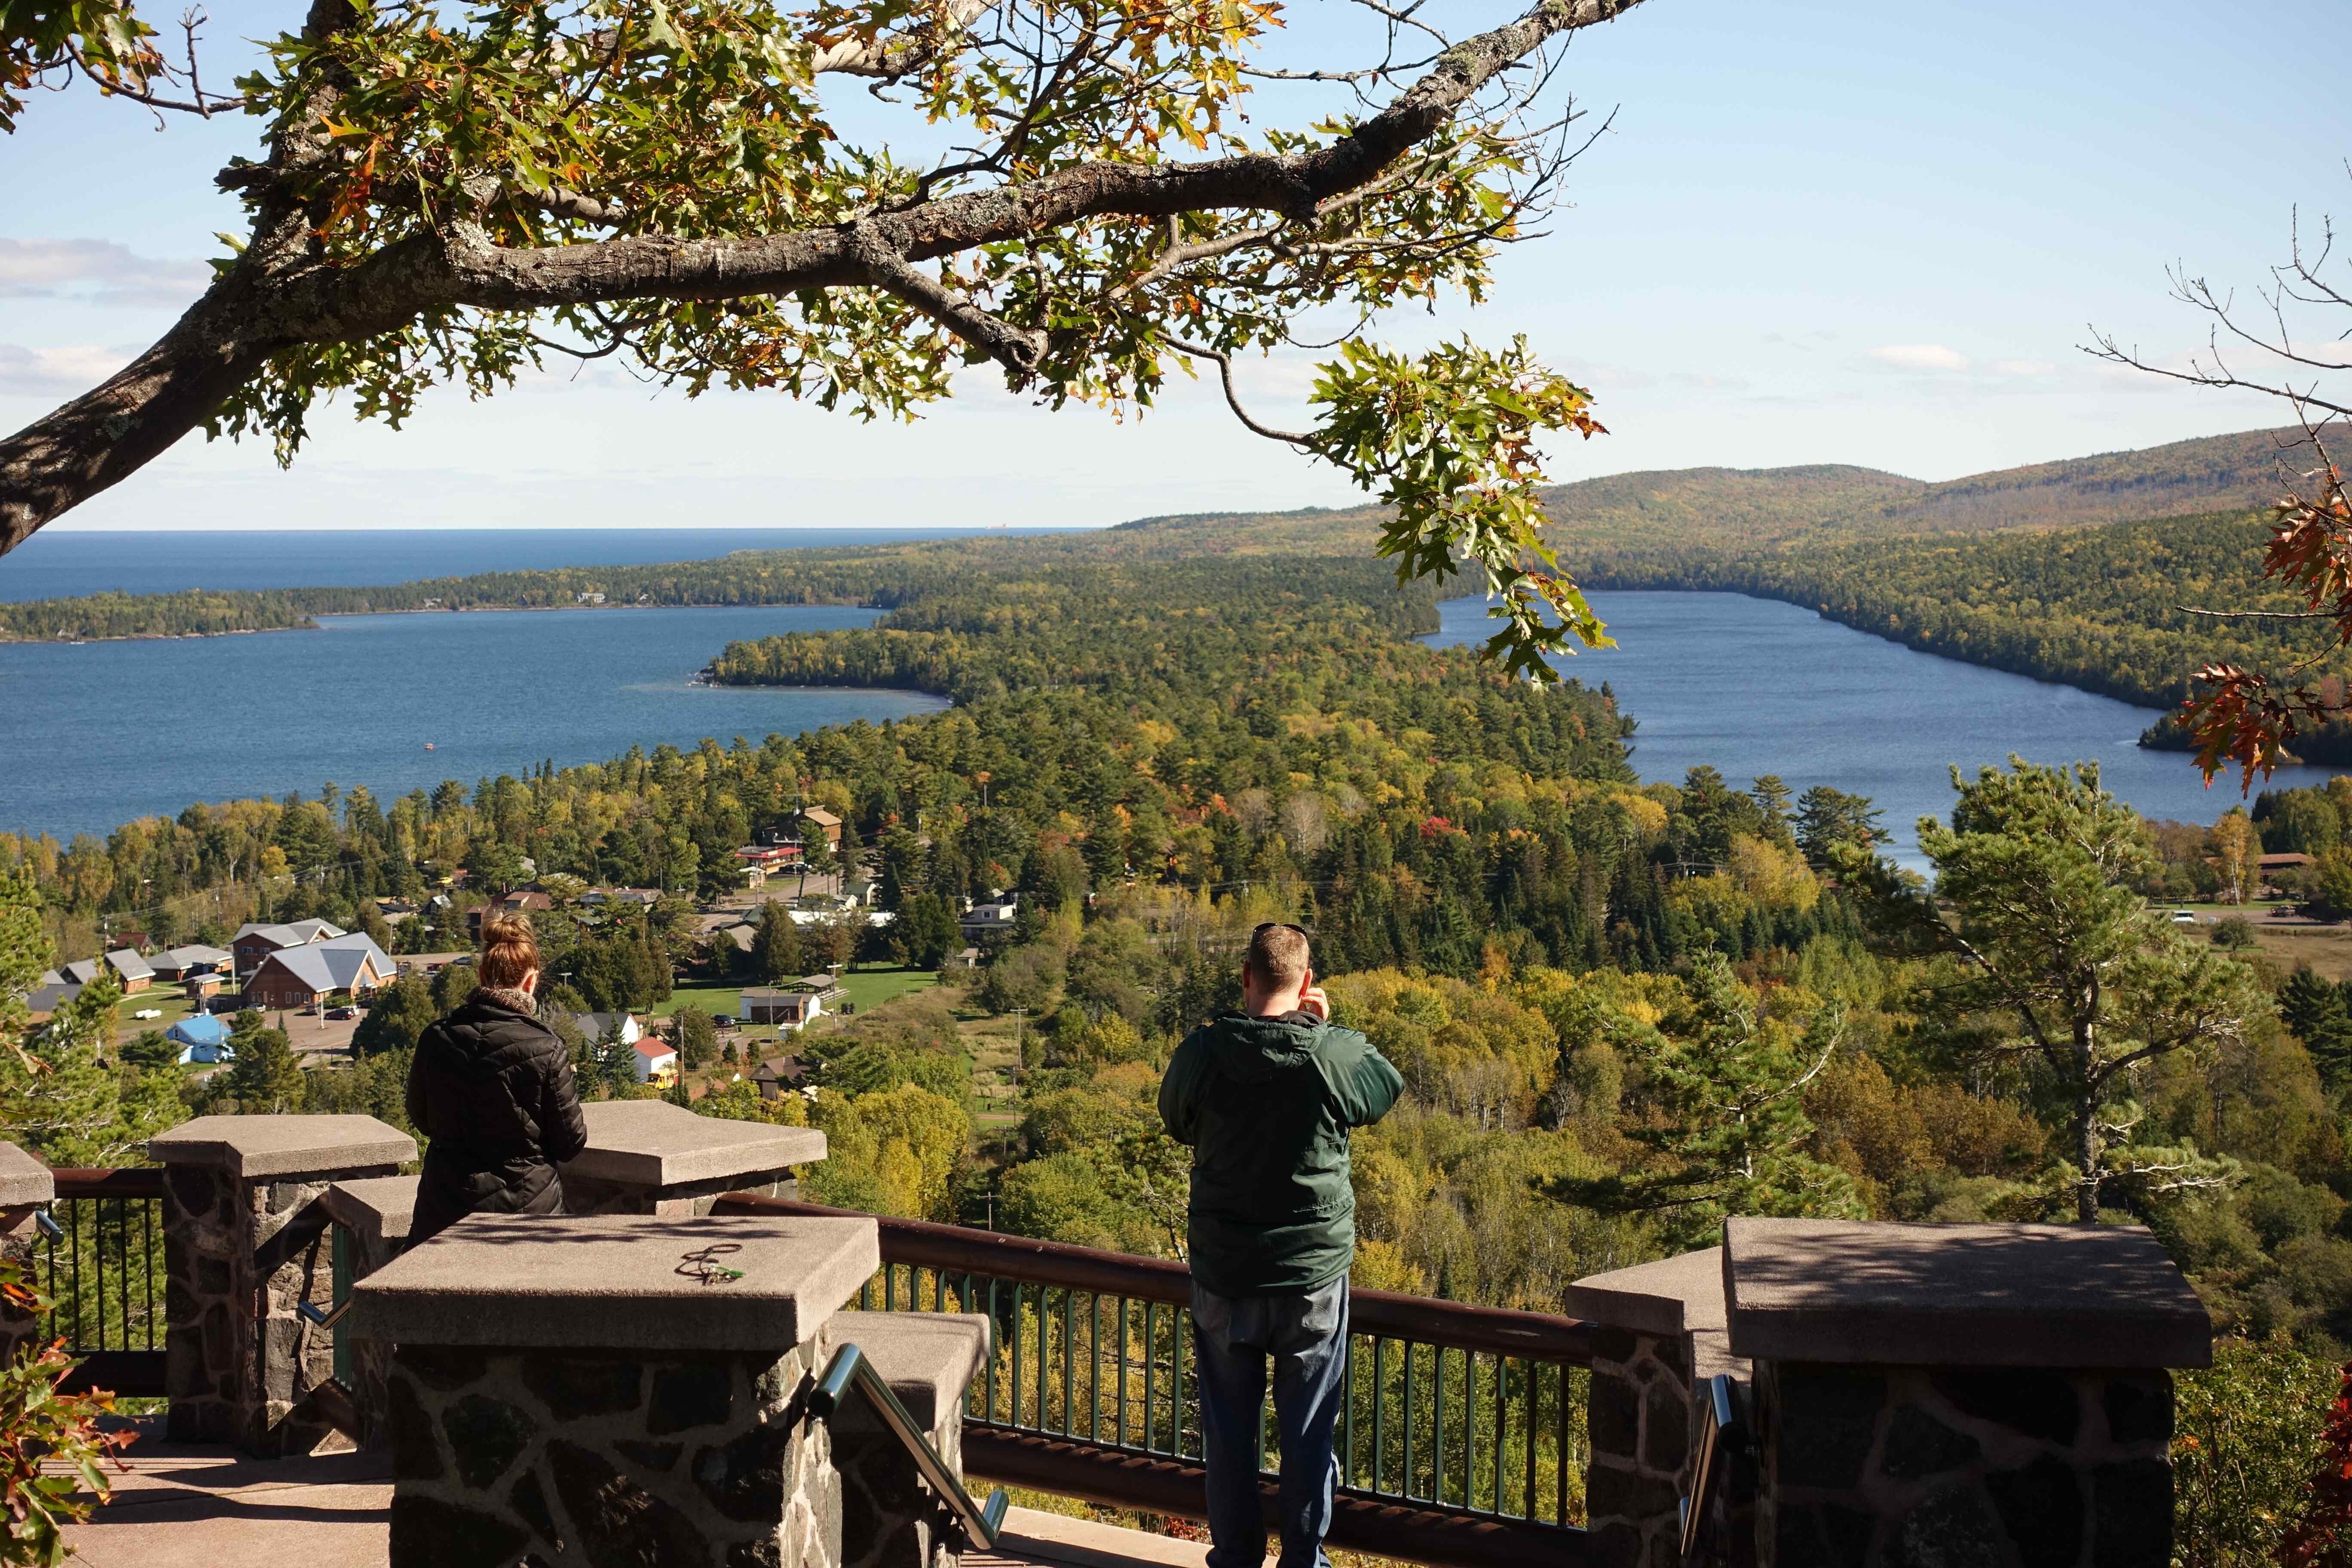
<point x="1277" y="956"/>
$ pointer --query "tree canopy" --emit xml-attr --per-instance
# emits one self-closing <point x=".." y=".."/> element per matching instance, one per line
<point x="1078" y="194"/>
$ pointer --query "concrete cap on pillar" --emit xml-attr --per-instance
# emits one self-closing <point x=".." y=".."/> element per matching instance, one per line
<point x="374" y="1208"/>
<point x="2050" y="1296"/>
<point x="254" y="1146"/>
<point x="1671" y="1296"/>
<point x="24" y="1182"/>
<point x="640" y="1282"/>
<point x="653" y="1144"/>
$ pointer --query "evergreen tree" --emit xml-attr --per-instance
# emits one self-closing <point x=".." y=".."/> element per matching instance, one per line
<point x="1729" y="1130"/>
<point x="2321" y="1018"/>
<point x="265" y="1079"/>
<point x="776" y="951"/>
<point x="697" y="1037"/>
<point x="397" y="1016"/>
<point x="2037" y="908"/>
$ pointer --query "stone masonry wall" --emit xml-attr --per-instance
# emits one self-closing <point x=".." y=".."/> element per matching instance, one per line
<point x="1638" y="1423"/>
<point x="890" y="1518"/>
<point x="1963" y="1468"/>
<point x="239" y="1360"/>
<point x="689" y="1460"/>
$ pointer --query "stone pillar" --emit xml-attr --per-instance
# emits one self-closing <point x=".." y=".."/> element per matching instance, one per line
<point x="616" y="1388"/>
<point x="1662" y="1331"/>
<point x="26" y="1189"/>
<point x="1961" y="1395"/>
<point x="373" y="1216"/>
<point x="648" y="1156"/>
<point x="890" y="1518"/>
<point x="238" y="1357"/>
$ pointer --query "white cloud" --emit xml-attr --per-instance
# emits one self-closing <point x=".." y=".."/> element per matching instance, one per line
<point x="58" y="371"/>
<point x="1920" y="356"/>
<point x="112" y="273"/>
<point x="2023" y="367"/>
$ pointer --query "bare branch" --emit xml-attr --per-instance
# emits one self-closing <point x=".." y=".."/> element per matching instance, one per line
<point x="1233" y="399"/>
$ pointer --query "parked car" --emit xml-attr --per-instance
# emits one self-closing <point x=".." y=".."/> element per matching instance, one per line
<point x="2184" y="917"/>
<point x="340" y="1014"/>
<point x="726" y="1021"/>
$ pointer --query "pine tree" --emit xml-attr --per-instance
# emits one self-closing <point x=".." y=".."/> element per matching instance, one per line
<point x="1730" y="1129"/>
<point x="267" y="1077"/>
<point x="776" y="951"/>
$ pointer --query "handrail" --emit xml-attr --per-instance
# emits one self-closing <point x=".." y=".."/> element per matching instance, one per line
<point x="850" y="1368"/>
<point x="1721" y="1472"/>
<point x="958" y="1249"/>
<point x="103" y="1182"/>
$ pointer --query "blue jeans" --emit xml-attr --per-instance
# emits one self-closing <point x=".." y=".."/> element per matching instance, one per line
<point x="1307" y="1335"/>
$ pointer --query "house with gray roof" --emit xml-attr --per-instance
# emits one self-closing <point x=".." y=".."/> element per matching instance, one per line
<point x="301" y="974"/>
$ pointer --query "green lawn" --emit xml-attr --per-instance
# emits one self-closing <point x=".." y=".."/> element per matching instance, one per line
<point x="173" y="1001"/>
<point x="870" y="987"/>
<point x="715" y="1000"/>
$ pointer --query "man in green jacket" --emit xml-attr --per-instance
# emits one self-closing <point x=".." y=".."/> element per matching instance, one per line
<point x="1267" y="1096"/>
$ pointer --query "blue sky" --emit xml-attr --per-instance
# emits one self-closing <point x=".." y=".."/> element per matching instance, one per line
<point x="1825" y="232"/>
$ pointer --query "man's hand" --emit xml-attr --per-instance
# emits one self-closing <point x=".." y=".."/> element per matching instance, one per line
<point x="1312" y="1000"/>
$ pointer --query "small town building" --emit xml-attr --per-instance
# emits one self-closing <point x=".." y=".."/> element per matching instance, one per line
<point x="794" y="1006"/>
<point x="773" y="1079"/>
<point x="520" y="903"/>
<point x="43" y="1001"/>
<point x="827" y="820"/>
<point x="656" y="1059"/>
<point x="176" y="963"/>
<point x="603" y="1026"/>
<point x="301" y="975"/>
<point x="252" y="943"/>
<point x="201" y="988"/>
<point x="202" y="1039"/>
<point x="988" y="920"/>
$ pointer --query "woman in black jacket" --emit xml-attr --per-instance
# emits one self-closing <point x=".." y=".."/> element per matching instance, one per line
<point x="491" y="1087"/>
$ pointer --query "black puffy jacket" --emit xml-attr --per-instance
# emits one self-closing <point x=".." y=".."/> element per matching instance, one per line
<point x="491" y="1087"/>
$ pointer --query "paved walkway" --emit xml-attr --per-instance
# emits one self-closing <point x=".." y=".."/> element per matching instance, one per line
<point x="188" y="1507"/>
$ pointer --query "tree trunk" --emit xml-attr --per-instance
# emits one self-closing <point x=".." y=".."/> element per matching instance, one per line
<point x="2086" y="1155"/>
<point x="110" y="433"/>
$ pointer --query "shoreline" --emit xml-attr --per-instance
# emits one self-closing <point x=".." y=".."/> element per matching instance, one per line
<point x="311" y="623"/>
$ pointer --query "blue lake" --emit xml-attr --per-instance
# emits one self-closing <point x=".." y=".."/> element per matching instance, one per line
<point x="106" y="732"/>
<point x="93" y="736"/>
<point x="1755" y="685"/>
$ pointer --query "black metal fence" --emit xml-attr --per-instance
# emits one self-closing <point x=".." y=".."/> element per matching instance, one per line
<point x="1462" y="1426"/>
<point x="101" y="1256"/>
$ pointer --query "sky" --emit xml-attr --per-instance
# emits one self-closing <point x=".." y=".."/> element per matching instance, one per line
<point x="1821" y="231"/>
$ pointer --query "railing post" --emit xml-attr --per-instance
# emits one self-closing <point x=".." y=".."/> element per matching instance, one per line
<point x="1662" y="1331"/>
<point x="613" y="1388"/>
<point x="1961" y="1393"/>
<point x="648" y="1156"/>
<point x="26" y="1189"/>
<point x="239" y="1359"/>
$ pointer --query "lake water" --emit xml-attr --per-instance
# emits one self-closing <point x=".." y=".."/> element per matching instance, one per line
<point x="101" y="734"/>
<point x="93" y="736"/>
<point x="1755" y="685"/>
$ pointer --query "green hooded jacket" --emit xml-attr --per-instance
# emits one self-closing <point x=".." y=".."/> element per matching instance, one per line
<point x="1266" y="1104"/>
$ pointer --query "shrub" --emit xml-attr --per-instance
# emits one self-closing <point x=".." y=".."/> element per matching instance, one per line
<point x="2247" y="1438"/>
<point x="38" y="1425"/>
<point x="2236" y="933"/>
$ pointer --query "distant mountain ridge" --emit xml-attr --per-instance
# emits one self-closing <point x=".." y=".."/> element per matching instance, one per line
<point x="1816" y="503"/>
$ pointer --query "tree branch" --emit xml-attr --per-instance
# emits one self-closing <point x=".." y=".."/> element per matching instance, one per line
<point x="1233" y="399"/>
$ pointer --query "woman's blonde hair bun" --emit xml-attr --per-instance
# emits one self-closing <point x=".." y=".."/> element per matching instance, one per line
<point x="509" y="949"/>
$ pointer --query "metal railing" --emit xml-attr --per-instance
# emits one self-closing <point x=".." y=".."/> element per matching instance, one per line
<point x="100" y="1255"/>
<point x="850" y="1369"/>
<point x="1462" y="1432"/>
